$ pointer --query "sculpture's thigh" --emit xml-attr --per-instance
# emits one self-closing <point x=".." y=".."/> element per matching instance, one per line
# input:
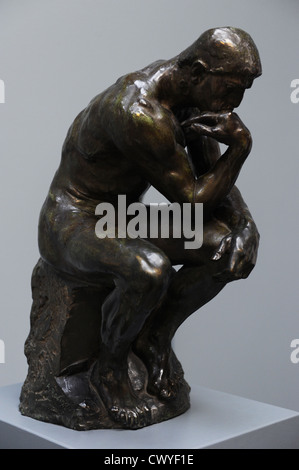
<point x="72" y="247"/>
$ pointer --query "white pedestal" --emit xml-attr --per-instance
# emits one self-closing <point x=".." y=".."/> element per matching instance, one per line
<point x="215" y="420"/>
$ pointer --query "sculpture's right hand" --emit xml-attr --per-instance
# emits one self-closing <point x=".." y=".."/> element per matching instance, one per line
<point x="225" y="127"/>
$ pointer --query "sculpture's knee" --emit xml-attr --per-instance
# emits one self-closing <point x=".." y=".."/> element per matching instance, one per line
<point x="150" y="276"/>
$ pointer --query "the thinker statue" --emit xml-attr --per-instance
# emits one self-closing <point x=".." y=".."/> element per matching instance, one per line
<point x="105" y="310"/>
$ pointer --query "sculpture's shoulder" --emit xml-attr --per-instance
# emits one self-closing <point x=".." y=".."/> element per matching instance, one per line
<point x="131" y="109"/>
<point x="131" y="94"/>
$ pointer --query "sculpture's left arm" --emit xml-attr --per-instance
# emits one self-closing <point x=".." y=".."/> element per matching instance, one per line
<point x="242" y="242"/>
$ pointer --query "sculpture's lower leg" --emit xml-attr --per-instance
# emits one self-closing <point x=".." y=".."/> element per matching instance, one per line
<point x="189" y="290"/>
<point x="123" y="315"/>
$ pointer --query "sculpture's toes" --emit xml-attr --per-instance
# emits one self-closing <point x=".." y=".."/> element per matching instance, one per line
<point x="131" y="417"/>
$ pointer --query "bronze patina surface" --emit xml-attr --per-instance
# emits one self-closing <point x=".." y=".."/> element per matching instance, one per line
<point x="105" y="310"/>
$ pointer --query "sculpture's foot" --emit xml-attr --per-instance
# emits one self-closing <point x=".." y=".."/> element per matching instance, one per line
<point x="123" y="405"/>
<point x="165" y="373"/>
<point x="86" y="400"/>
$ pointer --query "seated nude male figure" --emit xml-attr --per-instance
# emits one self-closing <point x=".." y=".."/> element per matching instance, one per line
<point x="159" y="126"/>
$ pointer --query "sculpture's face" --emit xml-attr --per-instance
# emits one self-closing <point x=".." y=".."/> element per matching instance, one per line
<point x="220" y="92"/>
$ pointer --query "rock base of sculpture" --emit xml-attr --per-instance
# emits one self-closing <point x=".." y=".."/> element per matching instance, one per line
<point x="62" y="351"/>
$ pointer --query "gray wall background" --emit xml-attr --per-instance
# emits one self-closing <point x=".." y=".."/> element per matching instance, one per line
<point x="55" y="55"/>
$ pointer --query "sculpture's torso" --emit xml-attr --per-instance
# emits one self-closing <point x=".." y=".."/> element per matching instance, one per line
<point x="94" y="167"/>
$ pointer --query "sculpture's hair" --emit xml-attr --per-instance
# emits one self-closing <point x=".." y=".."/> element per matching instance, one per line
<point x="224" y="50"/>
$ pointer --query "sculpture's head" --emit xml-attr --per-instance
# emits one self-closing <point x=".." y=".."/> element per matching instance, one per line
<point x="223" y="62"/>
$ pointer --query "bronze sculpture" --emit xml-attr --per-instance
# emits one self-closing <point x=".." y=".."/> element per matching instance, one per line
<point x="105" y="310"/>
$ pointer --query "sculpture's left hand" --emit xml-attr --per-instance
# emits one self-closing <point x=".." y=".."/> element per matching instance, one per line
<point x="241" y="245"/>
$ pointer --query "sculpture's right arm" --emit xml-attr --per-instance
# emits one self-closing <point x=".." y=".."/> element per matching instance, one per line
<point x="151" y="143"/>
